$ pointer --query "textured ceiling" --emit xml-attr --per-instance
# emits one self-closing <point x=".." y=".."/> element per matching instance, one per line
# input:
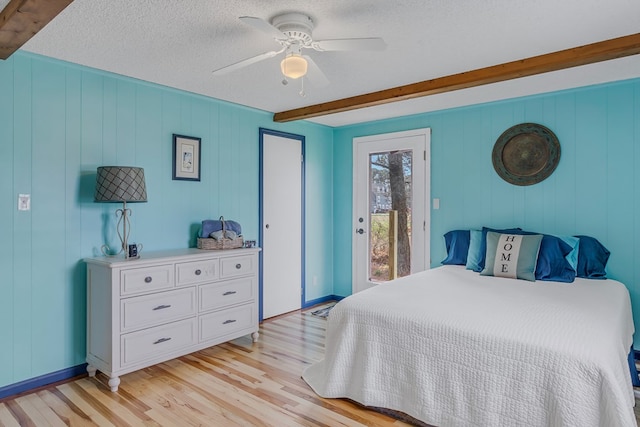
<point x="178" y="43"/>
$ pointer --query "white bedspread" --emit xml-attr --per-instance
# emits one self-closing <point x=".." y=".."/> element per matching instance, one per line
<point x="453" y="348"/>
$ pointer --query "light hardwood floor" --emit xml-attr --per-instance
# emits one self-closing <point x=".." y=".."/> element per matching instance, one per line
<point x="233" y="384"/>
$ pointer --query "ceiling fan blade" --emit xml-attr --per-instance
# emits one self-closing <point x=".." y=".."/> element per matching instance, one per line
<point x="264" y="26"/>
<point x="373" y="43"/>
<point x="314" y="73"/>
<point x="245" y="62"/>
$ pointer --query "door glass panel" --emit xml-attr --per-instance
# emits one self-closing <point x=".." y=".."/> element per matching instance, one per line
<point x="390" y="189"/>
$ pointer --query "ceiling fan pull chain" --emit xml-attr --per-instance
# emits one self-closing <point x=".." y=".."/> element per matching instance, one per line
<point x="302" y="92"/>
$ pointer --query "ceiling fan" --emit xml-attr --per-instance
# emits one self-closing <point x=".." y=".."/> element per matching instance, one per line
<point x="293" y="31"/>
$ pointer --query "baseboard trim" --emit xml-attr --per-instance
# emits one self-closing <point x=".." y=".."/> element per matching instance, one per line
<point x="317" y="301"/>
<point x="46" y="379"/>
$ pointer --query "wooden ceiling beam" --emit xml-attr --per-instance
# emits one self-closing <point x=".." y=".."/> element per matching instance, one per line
<point x="583" y="55"/>
<point x="22" y="19"/>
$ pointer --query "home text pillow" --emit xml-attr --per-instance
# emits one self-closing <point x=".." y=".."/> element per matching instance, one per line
<point x="511" y="255"/>
<point x="482" y="250"/>
<point x="592" y="258"/>
<point x="473" y="256"/>
<point x="457" y="243"/>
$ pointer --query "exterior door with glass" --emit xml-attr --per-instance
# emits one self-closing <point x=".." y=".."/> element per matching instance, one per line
<point x="390" y="206"/>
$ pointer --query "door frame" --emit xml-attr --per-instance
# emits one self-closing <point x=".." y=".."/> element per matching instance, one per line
<point x="426" y="132"/>
<point x="301" y="138"/>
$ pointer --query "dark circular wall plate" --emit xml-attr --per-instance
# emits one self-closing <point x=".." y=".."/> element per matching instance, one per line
<point x="526" y="154"/>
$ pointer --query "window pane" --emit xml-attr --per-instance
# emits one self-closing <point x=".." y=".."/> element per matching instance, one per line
<point x="390" y="189"/>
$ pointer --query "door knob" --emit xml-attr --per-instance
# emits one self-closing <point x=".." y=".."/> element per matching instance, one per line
<point x="266" y="226"/>
<point x="360" y="231"/>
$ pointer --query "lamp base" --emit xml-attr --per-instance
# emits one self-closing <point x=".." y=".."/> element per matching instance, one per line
<point x="107" y="251"/>
<point x="132" y="252"/>
<point x="123" y="222"/>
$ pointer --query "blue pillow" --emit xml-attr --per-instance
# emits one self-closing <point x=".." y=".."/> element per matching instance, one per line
<point x="457" y="243"/>
<point x="592" y="258"/>
<point x="572" y="257"/>
<point x="473" y="256"/>
<point x="512" y="255"/>
<point x="552" y="265"/>
<point x="483" y="244"/>
<point x="552" y="262"/>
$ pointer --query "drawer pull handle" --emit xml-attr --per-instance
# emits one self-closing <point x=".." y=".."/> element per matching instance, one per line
<point x="229" y="293"/>
<point x="226" y="322"/>
<point x="198" y="272"/>
<point x="238" y="266"/>
<point x="161" y="340"/>
<point x="161" y="307"/>
<point x="148" y="279"/>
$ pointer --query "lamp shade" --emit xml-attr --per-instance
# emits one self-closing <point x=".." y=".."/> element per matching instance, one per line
<point x="120" y="184"/>
<point x="294" y="66"/>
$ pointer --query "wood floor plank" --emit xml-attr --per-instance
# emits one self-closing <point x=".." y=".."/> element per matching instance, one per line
<point x="129" y="414"/>
<point x="235" y="384"/>
<point x="19" y="413"/>
<point x="94" y="414"/>
<point x="168" y="410"/>
<point x="64" y="409"/>
<point x="6" y="417"/>
<point x="261" y="408"/>
<point x="39" y="412"/>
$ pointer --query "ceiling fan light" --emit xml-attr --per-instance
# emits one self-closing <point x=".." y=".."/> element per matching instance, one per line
<point x="294" y="66"/>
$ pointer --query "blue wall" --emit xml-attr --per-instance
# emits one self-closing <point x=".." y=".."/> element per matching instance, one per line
<point x="58" y="123"/>
<point x="595" y="189"/>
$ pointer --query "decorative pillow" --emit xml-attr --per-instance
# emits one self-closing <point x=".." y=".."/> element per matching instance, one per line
<point x="572" y="257"/>
<point x="473" y="256"/>
<point x="483" y="244"/>
<point x="552" y="262"/>
<point x="512" y="255"/>
<point x="592" y="258"/>
<point x="457" y="243"/>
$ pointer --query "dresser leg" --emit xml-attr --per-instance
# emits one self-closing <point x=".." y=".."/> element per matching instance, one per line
<point x="255" y="336"/>
<point x="91" y="370"/>
<point x="114" y="383"/>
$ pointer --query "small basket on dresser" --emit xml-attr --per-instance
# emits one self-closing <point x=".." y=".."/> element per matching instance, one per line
<point x="209" y="243"/>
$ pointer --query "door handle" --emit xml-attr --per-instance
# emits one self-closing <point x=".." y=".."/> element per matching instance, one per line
<point x="360" y="231"/>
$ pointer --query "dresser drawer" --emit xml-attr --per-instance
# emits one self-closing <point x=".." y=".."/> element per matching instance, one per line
<point x="188" y="273"/>
<point x="139" y="280"/>
<point x="223" y="294"/>
<point x="237" y="266"/>
<point x="226" y="322"/>
<point x="158" y="308"/>
<point x="155" y="342"/>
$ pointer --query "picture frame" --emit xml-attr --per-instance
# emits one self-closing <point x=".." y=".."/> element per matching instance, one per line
<point x="186" y="158"/>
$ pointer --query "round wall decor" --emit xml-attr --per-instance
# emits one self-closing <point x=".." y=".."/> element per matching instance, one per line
<point x="526" y="154"/>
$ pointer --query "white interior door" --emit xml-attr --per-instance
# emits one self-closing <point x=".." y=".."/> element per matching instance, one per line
<point x="391" y="206"/>
<point x="281" y="223"/>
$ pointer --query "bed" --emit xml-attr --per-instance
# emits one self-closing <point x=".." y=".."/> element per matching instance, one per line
<point x="451" y="347"/>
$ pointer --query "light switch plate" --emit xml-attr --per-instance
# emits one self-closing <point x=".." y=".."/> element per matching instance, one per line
<point x="24" y="202"/>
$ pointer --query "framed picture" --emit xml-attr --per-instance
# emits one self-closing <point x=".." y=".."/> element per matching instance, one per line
<point x="186" y="158"/>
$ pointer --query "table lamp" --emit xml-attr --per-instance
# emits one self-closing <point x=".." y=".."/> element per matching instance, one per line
<point x="120" y="184"/>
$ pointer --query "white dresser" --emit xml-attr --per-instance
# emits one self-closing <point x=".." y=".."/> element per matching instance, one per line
<point x="167" y="304"/>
